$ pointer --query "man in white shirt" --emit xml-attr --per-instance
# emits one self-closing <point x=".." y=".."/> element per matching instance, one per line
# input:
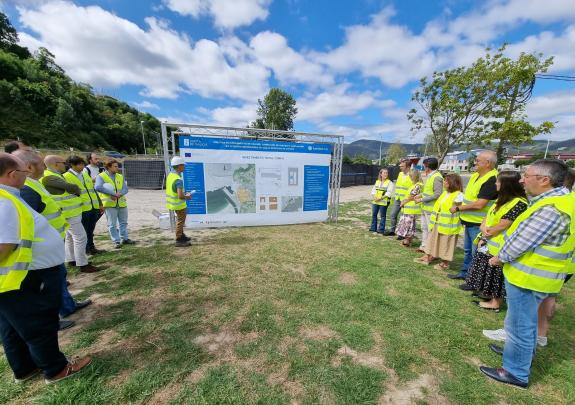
<point x="93" y="166"/>
<point x="29" y="313"/>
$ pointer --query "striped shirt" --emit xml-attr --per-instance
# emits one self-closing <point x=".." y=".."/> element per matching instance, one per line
<point x="546" y="226"/>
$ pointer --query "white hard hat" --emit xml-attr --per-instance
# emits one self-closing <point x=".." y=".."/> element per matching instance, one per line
<point x="177" y="160"/>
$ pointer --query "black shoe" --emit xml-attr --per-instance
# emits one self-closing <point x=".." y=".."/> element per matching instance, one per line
<point x="456" y="276"/>
<point x="94" y="251"/>
<point x="502" y="376"/>
<point x="400" y="238"/>
<point x="82" y="304"/>
<point x="389" y="233"/>
<point x="183" y="243"/>
<point x="70" y="264"/>
<point x="67" y="283"/>
<point x="495" y="349"/>
<point x="186" y="238"/>
<point x="128" y="242"/>
<point x="466" y="287"/>
<point x="65" y="325"/>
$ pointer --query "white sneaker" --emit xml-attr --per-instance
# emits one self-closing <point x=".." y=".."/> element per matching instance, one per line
<point x="498" y="335"/>
<point x="542" y="341"/>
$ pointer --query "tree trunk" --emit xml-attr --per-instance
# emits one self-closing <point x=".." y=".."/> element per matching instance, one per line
<point x="508" y="116"/>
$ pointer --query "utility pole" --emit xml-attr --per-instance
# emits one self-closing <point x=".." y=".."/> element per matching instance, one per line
<point x="380" y="143"/>
<point x="508" y="116"/>
<point x="143" y="137"/>
<point x="546" y="149"/>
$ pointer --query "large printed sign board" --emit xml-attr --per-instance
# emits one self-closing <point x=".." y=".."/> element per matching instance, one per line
<point x="245" y="182"/>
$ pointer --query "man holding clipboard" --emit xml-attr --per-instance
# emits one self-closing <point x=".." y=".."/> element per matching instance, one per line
<point x="176" y="199"/>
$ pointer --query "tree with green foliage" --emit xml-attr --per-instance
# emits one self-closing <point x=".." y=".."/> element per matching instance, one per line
<point x="41" y="105"/>
<point x="478" y="103"/>
<point x="276" y="111"/>
<point x="395" y="153"/>
<point x="514" y="80"/>
<point x="361" y="159"/>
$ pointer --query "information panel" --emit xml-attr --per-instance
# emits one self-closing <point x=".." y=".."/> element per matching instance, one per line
<point x="244" y="182"/>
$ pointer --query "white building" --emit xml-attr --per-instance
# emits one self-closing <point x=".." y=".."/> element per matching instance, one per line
<point x="457" y="161"/>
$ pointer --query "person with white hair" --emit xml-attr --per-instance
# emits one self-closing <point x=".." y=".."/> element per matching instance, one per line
<point x="176" y="199"/>
<point x="480" y="194"/>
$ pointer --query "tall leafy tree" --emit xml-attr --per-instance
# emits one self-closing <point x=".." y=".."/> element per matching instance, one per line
<point x="395" y="153"/>
<point x="479" y="103"/>
<point x="276" y="111"/>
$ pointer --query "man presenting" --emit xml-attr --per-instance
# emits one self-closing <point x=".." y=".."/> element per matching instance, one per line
<point x="535" y="257"/>
<point x="176" y="199"/>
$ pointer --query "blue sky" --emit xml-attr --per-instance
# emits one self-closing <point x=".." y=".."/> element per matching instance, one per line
<point x="351" y="65"/>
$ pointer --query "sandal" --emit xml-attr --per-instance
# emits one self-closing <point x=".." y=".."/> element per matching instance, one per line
<point x="441" y="266"/>
<point x="422" y="261"/>
<point x="486" y="308"/>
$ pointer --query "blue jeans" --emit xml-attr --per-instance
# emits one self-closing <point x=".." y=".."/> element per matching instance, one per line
<point x="115" y="216"/>
<point x="521" y="329"/>
<point x="68" y="304"/>
<point x="469" y="247"/>
<point x="29" y="324"/>
<point x="382" y="210"/>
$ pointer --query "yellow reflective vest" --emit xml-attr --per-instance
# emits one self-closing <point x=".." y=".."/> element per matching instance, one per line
<point x="52" y="211"/>
<point x="446" y="222"/>
<point x="118" y="184"/>
<point x="495" y="243"/>
<point x="381" y="188"/>
<point x="71" y="204"/>
<point x="88" y="196"/>
<point x="402" y="186"/>
<point x="470" y="196"/>
<point x="428" y="191"/>
<point x="13" y="269"/>
<point x="544" y="268"/>
<point x="412" y="207"/>
<point x="173" y="202"/>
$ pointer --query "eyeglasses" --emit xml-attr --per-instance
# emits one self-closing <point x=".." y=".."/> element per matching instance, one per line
<point x="526" y="176"/>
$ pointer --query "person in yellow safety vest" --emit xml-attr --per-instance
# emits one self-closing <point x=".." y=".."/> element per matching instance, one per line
<point x="67" y="195"/>
<point x="381" y="193"/>
<point x="41" y="201"/>
<point x="31" y="252"/>
<point x="536" y="256"/>
<point x="432" y="189"/>
<point x="402" y="186"/>
<point x="480" y="195"/>
<point x="546" y="309"/>
<point x="91" y="208"/>
<point x="112" y="190"/>
<point x="176" y="199"/>
<point x="486" y="280"/>
<point x="444" y="226"/>
<point x="410" y="210"/>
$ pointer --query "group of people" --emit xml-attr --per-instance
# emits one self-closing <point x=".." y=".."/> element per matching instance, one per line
<point x="519" y="237"/>
<point x="49" y="208"/>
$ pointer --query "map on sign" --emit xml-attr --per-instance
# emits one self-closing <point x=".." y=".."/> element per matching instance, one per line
<point x="230" y="188"/>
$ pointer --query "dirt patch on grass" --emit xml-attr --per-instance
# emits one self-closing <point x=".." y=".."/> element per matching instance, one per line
<point x="347" y="279"/>
<point x="474" y="361"/>
<point x="424" y="388"/>
<point x="320" y="332"/>
<point x="166" y="394"/>
<point x="365" y="359"/>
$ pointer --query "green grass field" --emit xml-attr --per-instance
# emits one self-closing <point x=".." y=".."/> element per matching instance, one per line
<point x="320" y="313"/>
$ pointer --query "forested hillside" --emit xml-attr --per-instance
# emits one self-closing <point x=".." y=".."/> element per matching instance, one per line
<point x="40" y="104"/>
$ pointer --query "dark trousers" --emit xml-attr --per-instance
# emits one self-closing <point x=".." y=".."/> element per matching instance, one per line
<point x="68" y="303"/>
<point x="29" y="324"/>
<point x="89" y="220"/>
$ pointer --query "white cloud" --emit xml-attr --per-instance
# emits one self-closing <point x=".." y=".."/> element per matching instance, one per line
<point x="234" y="116"/>
<point x="146" y="105"/>
<point x="557" y="107"/>
<point x="100" y="48"/>
<point x="226" y="14"/>
<point x="337" y="102"/>
<point x="384" y="50"/>
<point x="272" y="50"/>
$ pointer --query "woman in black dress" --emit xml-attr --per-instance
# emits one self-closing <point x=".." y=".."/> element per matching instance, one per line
<point x="488" y="280"/>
